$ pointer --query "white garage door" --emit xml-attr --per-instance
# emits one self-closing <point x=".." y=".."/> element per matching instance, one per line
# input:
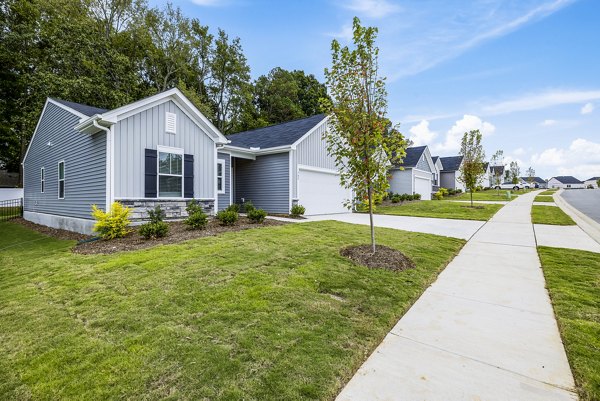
<point x="320" y="192"/>
<point x="423" y="187"/>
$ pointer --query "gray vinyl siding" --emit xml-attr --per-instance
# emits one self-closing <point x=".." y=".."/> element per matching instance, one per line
<point x="312" y="151"/>
<point x="85" y="167"/>
<point x="401" y="181"/>
<point x="264" y="181"/>
<point x="448" y="180"/>
<point x="146" y="130"/>
<point x="422" y="164"/>
<point x="224" y="199"/>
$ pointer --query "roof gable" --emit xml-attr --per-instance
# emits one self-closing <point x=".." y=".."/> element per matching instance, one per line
<point x="451" y="163"/>
<point x="567" y="179"/>
<point x="81" y="108"/>
<point x="413" y="155"/>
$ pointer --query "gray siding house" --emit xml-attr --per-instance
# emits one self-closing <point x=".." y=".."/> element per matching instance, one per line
<point x="415" y="175"/>
<point x="449" y="174"/>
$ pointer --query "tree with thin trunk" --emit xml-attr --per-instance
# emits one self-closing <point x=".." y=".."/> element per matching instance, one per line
<point x="514" y="172"/>
<point x="360" y="137"/>
<point x="530" y="176"/>
<point x="471" y="170"/>
<point x="497" y="161"/>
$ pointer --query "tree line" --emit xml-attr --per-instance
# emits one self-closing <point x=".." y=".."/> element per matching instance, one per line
<point x="107" y="53"/>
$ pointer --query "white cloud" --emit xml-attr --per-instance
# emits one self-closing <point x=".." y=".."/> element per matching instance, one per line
<point x="455" y="134"/>
<point x="344" y="34"/>
<point x="548" y="123"/>
<point x="541" y="101"/>
<point x="581" y="159"/>
<point x="587" y="108"/>
<point x="420" y="134"/>
<point x="372" y="8"/>
<point x="519" y="152"/>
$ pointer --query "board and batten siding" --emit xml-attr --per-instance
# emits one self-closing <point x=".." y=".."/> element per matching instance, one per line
<point x="225" y="199"/>
<point x="146" y="130"/>
<point x="264" y="181"/>
<point x="311" y="151"/>
<point x="85" y="167"/>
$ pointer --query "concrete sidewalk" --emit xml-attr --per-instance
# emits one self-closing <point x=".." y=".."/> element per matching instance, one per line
<point x="485" y="330"/>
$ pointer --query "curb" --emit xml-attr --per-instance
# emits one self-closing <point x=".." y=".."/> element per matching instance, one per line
<point x="589" y="226"/>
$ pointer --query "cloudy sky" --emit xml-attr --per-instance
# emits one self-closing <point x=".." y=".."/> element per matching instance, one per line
<point x="524" y="72"/>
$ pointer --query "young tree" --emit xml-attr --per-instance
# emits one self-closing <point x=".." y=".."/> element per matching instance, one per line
<point x="360" y="137"/>
<point x="514" y="172"/>
<point x="530" y="176"/>
<point x="471" y="170"/>
<point x="497" y="161"/>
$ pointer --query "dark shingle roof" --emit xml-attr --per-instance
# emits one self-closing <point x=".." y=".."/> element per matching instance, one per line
<point x="593" y="179"/>
<point x="275" y="135"/>
<point x="412" y="156"/>
<point x="567" y="179"/>
<point x="539" y="180"/>
<point x="435" y="159"/>
<point x="82" y="108"/>
<point x="451" y="163"/>
<point x="497" y="169"/>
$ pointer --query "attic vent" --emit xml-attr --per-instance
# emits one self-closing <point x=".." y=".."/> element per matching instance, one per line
<point x="171" y="123"/>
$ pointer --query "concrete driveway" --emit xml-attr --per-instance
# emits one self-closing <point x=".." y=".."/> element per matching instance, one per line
<point x="463" y="229"/>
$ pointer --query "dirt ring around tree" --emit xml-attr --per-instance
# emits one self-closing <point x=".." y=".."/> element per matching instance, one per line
<point x="384" y="258"/>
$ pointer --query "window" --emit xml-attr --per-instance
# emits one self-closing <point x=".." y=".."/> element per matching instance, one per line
<point x="42" y="180"/>
<point x="170" y="174"/>
<point x="61" y="180"/>
<point x="170" y="122"/>
<point x="221" y="176"/>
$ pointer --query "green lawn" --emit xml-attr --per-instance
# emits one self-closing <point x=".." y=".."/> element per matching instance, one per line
<point x="543" y="198"/>
<point x="262" y="314"/>
<point x="548" y="192"/>
<point x="550" y="215"/>
<point x="442" y="209"/>
<point x="486" y="195"/>
<point x="573" y="280"/>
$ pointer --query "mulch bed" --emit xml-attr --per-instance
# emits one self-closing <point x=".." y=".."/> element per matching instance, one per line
<point x="178" y="232"/>
<point x="384" y="258"/>
<point x="52" y="232"/>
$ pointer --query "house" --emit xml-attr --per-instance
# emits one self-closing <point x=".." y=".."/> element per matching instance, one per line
<point x="566" y="182"/>
<point x="436" y="173"/>
<point x="415" y="174"/>
<point x="449" y="175"/>
<point x="538" y="182"/>
<point x="162" y="151"/>
<point x="591" y="181"/>
<point x="281" y="165"/>
<point x="485" y="178"/>
<point x="496" y="175"/>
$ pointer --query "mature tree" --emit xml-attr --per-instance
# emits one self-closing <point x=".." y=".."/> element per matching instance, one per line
<point x="360" y="137"/>
<point x="497" y="161"/>
<point x="530" y="176"/>
<point x="514" y="172"/>
<point x="471" y="170"/>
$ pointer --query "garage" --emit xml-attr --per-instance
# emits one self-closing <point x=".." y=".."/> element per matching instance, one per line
<point x="423" y="187"/>
<point x="320" y="192"/>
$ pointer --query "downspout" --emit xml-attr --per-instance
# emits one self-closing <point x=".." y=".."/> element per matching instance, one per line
<point x="108" y="186"/>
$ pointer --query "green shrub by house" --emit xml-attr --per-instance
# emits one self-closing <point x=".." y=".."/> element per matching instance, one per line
<point x="197" y="219"/>
<point x="297" y="210"/>
<point x="112" y="224"/>
<point x="227" y="217"/>
<point x="257" y="215"/>
<point x="233" y="207"/>
<point x="248" y="206"/>
<point x="156" y="227"/>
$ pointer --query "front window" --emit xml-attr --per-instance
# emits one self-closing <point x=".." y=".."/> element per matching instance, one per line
<point x="170" y="175"/>
<point x="61" y="180"/>
<point x="220" y="176"/>
<point x="42" y="180"/>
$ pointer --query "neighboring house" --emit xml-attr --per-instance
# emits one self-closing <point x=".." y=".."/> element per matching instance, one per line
<point x="496" y="175"/>
<point x="449" y="175"/>
<point x="415" y="174"/>
<point x="538" y="182"/>
<point x="281" y="165"/>
<point x="159" y="150"/>
<point x="566" y="182"/>
<point x="436" y="173"/>
<point x="485" y="178"/>
<point x="592" y="181"/>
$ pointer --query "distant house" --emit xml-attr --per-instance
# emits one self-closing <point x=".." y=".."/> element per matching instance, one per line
<point x="538" y="182"/>
<point x="415" y="174"/>
<point x="485" y="178"/>
<point x="496" y="173"/>
<point x="566" y="182"/>
<point x="592" y="181"/>
<point x="450" y="172"/>
<point x="436" y="173"/>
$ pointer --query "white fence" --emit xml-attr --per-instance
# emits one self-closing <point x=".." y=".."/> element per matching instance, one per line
<point x="10" y="193"/>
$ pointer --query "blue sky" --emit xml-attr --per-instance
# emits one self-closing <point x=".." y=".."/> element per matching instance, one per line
<point x="525" y="72"/>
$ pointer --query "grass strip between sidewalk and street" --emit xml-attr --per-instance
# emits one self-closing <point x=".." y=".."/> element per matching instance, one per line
<point x="442" y="209"/>
<point x="543" y="198"/>
<point x="485" y="195"/>
<point x="552" y="215"/>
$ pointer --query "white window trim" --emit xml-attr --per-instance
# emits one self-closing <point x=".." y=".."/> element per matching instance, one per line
<point x="177" y="151"/>
<point x="222" y="163"/>
<point x="59" y="179"/>
<point x="42" y="180"/>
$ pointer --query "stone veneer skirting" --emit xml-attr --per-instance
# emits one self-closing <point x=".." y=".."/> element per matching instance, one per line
<point x="174" y="208"/>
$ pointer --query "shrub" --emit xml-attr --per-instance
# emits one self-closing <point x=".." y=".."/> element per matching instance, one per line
<point x="450" y="191"/>
<point x="438" y="196"/>
<point x="257" y="215"/>
<point x="154" y="230"/>
<point x="444" y="191"/>
<point x="233" y="207"/>
<point x="112" y="224"/>
<point x="197" y="219"/>
<point x="227" y="217"/>
<point x="396" y="198"/>
<point x="377" y="199"/>
<point x="248" y="206"/>
<point x="156" y="215"/>
<point x="417" y="196"/>
<point x="298" y="210"/>
<point x="458" y="190"/>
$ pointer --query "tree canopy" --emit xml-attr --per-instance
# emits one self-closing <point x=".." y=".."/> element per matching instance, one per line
<point x="472" y="168"/>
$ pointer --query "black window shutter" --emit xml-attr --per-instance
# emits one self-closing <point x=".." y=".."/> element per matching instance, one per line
<point x="150" y="175"/>
<point x="188" y="176"/>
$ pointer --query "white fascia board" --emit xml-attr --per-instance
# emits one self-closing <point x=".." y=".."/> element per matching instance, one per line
<point x="313" y="129"/>
<point x="429" y="158"/>
<point x="251" y="154"/>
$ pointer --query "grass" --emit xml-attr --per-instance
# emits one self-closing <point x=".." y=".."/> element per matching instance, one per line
<point x="573" y="280"/>
<point x="442" y="209"/>
<point x="264" y="314"/>
<point x="548" y="192"/>
<point x="485" y="195"/>
<point x="8" y="212"/>
<point x="550" y="215"/>
<point x="543" y="198"/>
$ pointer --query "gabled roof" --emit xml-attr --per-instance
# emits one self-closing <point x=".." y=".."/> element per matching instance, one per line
<point x="413" y="155"/>
<point x="451" y="163"/>
<point x="435" y="159"/>
<point x="539" y="180"/>
<point x="593" y="179"/>
<point x="497" y="170"/>
<point x="485" y="166"/>
<point x="567" y="179"/>
<point x="284" y="134"/>
<point x="81" y="108"/>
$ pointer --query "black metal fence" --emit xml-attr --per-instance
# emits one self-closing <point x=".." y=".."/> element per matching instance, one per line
<point x="10" y="209"/>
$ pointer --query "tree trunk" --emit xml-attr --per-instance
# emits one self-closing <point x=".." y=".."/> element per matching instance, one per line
<point x="370" y="192"/>
<point x="471" y="197"/>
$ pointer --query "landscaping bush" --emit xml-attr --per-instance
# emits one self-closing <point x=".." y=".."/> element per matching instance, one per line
<point x="438" y="196"/>
<point x="396" y="198"/>
<point x="450" y="191"/>
<point x="112" y="224"/>
<point x="257" y="215"/>
<point x="298" y="210"/>
<point x="197" y="219"/>
<point x="234" y="207"/>
<point x="248" y="206"/>
<point x="156" y="227"/>
<point x="227" y="217"/>
<point x="458" y="190"/>
<point x="444" y="191"/>
<point x="417" y="197"/>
